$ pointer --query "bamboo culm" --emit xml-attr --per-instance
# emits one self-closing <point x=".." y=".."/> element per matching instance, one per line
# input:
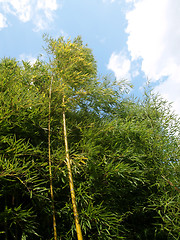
<point x="50" y="165"/>
<point x="71" y="184"/>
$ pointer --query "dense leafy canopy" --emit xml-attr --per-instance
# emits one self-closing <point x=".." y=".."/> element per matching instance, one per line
<point x="124" y="152"/>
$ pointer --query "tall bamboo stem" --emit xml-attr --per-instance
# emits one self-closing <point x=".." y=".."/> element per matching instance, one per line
<point x="50" y="165"/>
<point x="71" y="185"/>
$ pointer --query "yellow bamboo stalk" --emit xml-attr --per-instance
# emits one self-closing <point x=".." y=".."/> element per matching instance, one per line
<point x="50" y="165"/>
<point x="71" y="184"/>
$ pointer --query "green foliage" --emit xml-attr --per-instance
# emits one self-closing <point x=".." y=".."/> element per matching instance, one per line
<point x="125" y="153"/>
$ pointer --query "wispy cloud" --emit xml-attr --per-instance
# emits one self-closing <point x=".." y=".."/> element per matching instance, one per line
<point x="120" y="65"/>
<point x="3" y="22"/>
<point x="47" y="7"/>
<point x="19" y="8"/>
<point x="40" y="12"/>
<point x="154" y="36"/>
<point x="108" y="1"/>
<point x="133" y="1"/>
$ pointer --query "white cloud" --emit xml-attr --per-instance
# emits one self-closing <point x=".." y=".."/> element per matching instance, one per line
<point x="170" y="89"/>
<point x="28" y="58"/>
<point x="20" y="8"/>
<point x="3" y="23"/>
<point x="48" y="7"/>
<point x="130" y="1"/>
<point x="108" y="1"/>
<point x="154" y="37"/>
<point x="40" y="12"/>
<point x="120" y="65"/>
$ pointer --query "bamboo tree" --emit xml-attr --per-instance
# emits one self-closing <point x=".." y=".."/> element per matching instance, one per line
<point x="74" y="66"/>
<point x="50" y="164"/>
<point x="17" y="165"/>
<point x="127" y="186"/>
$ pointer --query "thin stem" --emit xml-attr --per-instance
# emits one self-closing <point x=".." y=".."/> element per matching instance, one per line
<point x="171" y="184"/>
<point x="71" y="184"/>
<point x="50" y="165"/>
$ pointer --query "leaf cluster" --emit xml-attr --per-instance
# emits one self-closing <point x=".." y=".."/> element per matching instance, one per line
<point x="124" y="152"/>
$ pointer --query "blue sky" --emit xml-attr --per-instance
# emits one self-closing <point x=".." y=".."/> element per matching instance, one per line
<point x="130" y="39"/>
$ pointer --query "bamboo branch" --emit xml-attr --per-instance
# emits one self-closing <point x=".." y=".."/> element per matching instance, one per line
<point x="50" y="165"/>
<point x="71" y="184"/>
<point x="171" y="184"/>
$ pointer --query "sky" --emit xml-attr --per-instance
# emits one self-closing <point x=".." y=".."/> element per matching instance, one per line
<point x="137" y="40"/>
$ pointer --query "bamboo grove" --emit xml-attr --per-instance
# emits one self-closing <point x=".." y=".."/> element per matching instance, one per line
<point x="79" y="157"/>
